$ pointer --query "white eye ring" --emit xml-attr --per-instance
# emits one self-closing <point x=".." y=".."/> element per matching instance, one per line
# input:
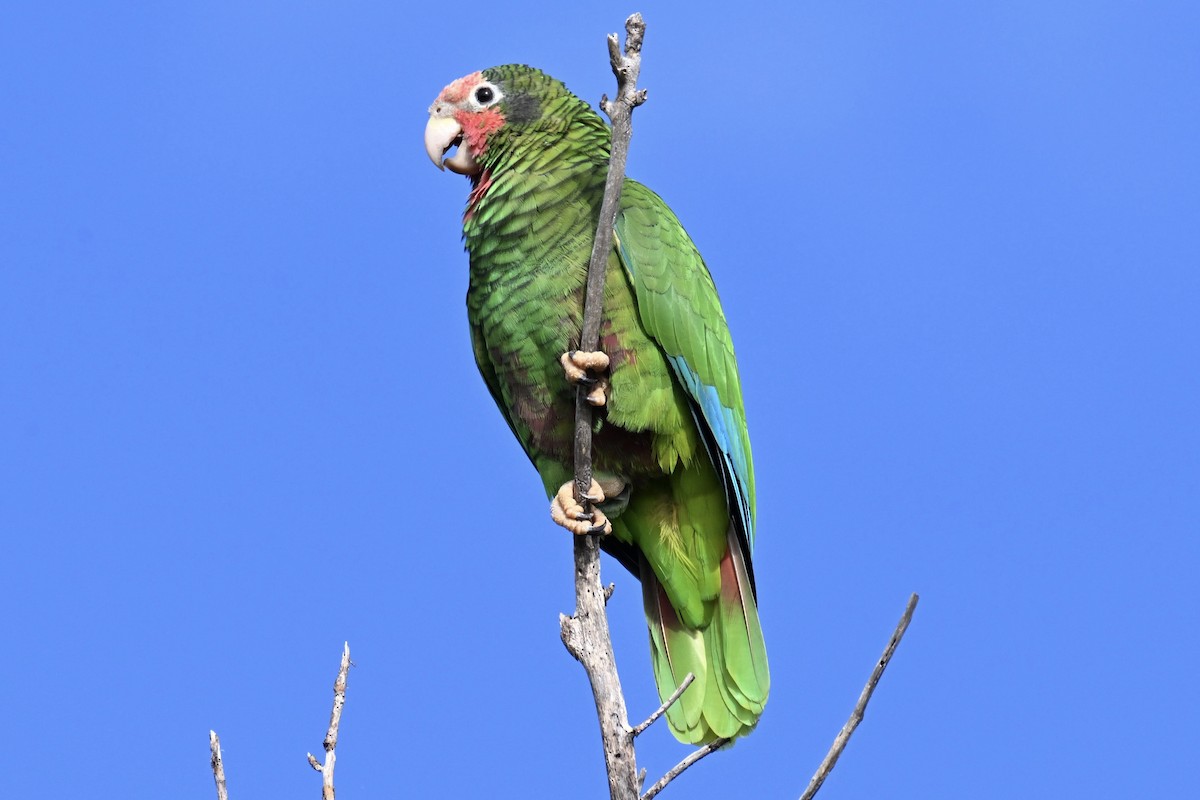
<point x="484" y="95"/>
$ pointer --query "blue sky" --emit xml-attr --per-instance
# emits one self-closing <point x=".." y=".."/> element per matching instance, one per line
<point x="240" y="423"/>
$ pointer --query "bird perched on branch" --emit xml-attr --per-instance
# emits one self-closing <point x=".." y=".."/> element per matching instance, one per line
<point x="674" y="482"/>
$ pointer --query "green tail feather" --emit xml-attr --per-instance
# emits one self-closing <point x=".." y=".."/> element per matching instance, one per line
<point x="728" y="657"/>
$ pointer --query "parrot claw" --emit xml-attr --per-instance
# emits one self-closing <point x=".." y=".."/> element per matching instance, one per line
<point x="578" y="363"/>
<point x="566" y="511"/>
<point x="598" y="396"/>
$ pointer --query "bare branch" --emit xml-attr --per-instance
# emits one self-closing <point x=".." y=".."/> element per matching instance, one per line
<point x="218" y="766"/>
<point x="586" y="633"/>
<point x="678" y="769"/>
<point x="626" y="68"/>
<point x="675" y="695"/>
<point x="331" y="737"/>
<point x="587" y="639"/>
<point x="856" y="716"/>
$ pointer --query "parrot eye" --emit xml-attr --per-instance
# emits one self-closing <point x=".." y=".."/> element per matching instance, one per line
<point x="485" y="95"/>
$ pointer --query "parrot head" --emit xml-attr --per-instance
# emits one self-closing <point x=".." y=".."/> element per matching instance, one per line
<point x="483" y="113"/>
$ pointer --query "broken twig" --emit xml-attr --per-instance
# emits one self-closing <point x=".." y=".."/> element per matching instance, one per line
<point x="218" y="766"/>
<point x="860" y="708"/>
<point x="675" y="695"/>
<point x="678" y="769"/>
<point x="331" y="737"/>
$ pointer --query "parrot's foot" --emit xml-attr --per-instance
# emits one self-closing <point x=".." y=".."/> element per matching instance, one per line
<point x="568" y="512"/>
<point x="577" y="364"/>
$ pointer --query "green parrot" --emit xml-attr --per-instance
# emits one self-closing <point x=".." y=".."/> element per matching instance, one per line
<point x="674" y="479"/>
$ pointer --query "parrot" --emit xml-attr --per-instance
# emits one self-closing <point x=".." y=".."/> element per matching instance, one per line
<point x="673" y="489"/>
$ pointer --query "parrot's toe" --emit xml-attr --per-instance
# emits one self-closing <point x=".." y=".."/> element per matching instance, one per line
<point x="566" y="511"/>
<point x="578" y="363"/>
<point x="598" y="396"/>
<point x="580" y="366"/>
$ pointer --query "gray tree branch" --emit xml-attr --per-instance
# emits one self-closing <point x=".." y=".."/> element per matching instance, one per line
<point x="331" y="736"/>
<point x="586" y="634"/>
<point x="860" y="708"/>
<point x="218" y="765"/>
<point x="675" y="695"/>
<point x="678" y="769"/>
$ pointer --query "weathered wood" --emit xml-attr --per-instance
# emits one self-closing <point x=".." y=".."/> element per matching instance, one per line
<point x="331" y="736"/>
<point x="860" y="708"/>
<point x="218" y="765"/>
<point x="585" y="634"/>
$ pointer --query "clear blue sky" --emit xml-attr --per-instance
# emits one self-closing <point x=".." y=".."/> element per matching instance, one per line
<point x="959" y="248"/>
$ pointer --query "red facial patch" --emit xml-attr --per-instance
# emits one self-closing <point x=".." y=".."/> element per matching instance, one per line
<point x="458" y="91"/>
<point x="477" y="126"/>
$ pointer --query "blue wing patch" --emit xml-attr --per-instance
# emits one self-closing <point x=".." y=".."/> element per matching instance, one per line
<point x="722" y="424"/>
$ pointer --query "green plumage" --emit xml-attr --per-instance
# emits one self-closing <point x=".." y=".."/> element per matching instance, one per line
<point x="674" y="428"/>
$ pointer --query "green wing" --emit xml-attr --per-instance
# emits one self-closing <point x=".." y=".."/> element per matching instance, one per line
<point x="678" y="306"/>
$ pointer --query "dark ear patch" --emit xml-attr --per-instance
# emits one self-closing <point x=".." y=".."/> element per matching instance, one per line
<point x="522" y="108"/>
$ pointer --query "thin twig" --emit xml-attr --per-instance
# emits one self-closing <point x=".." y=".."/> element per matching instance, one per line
<point x="675" y="695"/>
<point x="586" y="633"/>
<point x="678" y="769"/>
<point x="331" y="737"/>
<point x="843" y="737"/>
<point x="218" y="766"/>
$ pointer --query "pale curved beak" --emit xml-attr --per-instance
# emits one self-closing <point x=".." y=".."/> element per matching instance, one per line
<point x="441" y="133"/>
